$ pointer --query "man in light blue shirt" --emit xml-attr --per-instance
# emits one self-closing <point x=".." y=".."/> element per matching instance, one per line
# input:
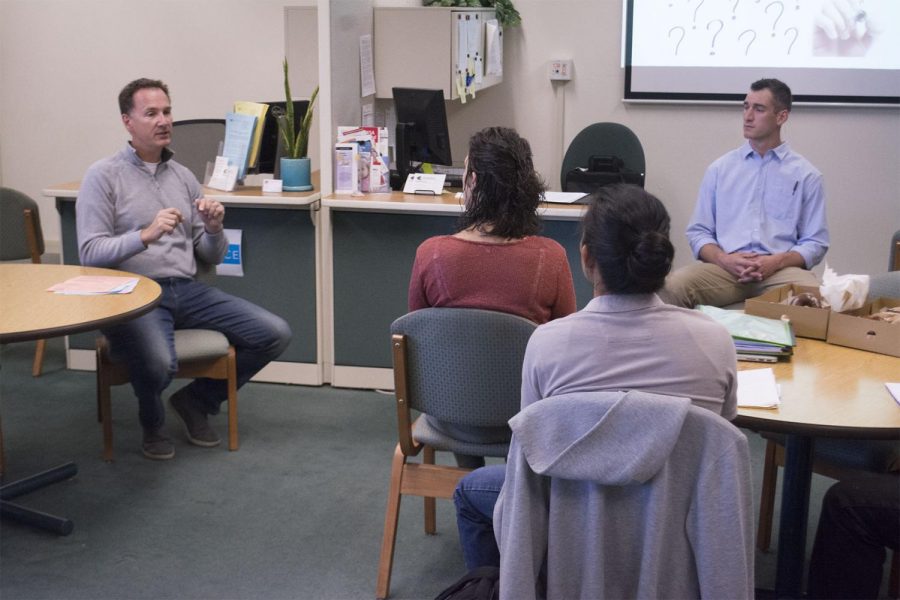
<point x="760" y="216"/>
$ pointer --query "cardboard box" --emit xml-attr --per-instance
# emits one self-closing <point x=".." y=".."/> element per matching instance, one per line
<point x="853" y="329"/>
<point x="807" y="321"/>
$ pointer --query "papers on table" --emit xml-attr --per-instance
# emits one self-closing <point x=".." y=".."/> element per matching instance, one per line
<point x="894" y="389"/>
<point x="757" y="389"/>
<point x="752" y="334"/>
<point x="94" y="285"/>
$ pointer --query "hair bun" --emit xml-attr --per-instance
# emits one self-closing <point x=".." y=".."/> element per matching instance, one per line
<point x="651" y="256"/>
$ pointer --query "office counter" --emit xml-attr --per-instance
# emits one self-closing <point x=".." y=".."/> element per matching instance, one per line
<point x="280" y="264"/>
<point x="368" y="253"/>
<point x="338" y="273"/>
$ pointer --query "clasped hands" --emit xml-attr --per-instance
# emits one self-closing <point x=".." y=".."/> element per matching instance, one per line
<point x="748" y="267"/>
<point x="211" y="212"/>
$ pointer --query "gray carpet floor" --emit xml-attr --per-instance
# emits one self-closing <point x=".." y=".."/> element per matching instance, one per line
<point x="297" y="512"/>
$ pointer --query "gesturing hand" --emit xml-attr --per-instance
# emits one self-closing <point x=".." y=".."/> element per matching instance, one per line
<point x="164" y="222"/>
<point x="212" y="213"/>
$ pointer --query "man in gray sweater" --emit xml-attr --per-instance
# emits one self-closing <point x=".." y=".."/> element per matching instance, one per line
<point x="141" y="211"/>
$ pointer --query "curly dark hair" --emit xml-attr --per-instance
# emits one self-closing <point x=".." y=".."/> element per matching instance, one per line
<point x="626" y="231"/>
<point x="507" y="189"/>
<point x="126" y="96"/>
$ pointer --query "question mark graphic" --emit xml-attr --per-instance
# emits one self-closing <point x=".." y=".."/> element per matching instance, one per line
<point x="747" y="49"/>
<point x="679" y="39"/>
<point x="781" y="12"/>
<point x="699" y="4"/>
<point x="712" y="46"/>
<point x="796" y="35"/>
<point x="734" y="9"/>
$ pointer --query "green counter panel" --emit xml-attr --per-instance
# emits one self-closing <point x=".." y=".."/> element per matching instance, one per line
<point x="278" y="253"/>
<point x="373" y="255"/>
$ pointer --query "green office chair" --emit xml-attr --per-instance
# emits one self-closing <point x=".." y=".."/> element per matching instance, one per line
<point x="604" y="139"/>
<point x="21" y="238"/>
<point x="464" y="367"/>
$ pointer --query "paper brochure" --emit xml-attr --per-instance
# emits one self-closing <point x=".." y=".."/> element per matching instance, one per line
<point x="95" y="285"/>
<point x="757" y="389"/>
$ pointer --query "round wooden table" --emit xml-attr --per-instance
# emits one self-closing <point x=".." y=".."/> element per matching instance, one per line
<point x="28" y="312"/>
<point x="826" y="391"/>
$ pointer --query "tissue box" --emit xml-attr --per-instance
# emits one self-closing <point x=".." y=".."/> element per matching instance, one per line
<point x="853" y="330"/>
<point x="807" y="321"/>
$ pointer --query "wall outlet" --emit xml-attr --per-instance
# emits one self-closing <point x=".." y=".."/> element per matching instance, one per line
<point x="561" y="69"/>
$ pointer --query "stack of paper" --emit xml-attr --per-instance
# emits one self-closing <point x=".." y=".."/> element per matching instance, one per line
<point x="757" y="389"/>
<point x="92" y="285"/>
<point x="755" y="336"/>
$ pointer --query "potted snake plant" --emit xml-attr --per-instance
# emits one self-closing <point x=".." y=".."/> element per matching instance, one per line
<point x="295" y="164"/>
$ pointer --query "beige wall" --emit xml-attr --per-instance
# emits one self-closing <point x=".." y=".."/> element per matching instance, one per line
<point x="857" y="149"/>
<point x="62" y="63"/>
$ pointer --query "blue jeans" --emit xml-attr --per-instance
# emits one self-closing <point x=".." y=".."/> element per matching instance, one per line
<point x="475" y="497"/>
<point x="147" y="344"/>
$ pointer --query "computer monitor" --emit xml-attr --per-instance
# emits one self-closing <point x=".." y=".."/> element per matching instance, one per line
<point x="270" y="145"/>
<point x="422" y="132"/>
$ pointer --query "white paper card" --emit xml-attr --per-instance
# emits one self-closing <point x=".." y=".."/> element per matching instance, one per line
<point x="346" y="168"/>
<point x="494" y="51"/>
<point x="224" y="176"/>
<point x="894" y="389"/>
<point x="424" y="183"/>
<point x="563" y="197"/>
<point x="366" y="69"/>
<point x="757" y="389"/>
<point x="272" y="185"/>
<point x="232" y="265"/>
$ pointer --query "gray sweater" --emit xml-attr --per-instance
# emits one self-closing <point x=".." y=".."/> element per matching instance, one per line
<point x="625" y="495"/>
<point x="119" y="197"/>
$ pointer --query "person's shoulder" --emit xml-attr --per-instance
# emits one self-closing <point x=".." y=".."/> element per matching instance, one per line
<point x="546" y="243"/>
<point x="699" y="323"/>
<point x="107" y="163"/>
<point x="182" y="170"/>
<point x="798" y="160"/>
<point x="729" y="157"/>
<point x="434" y="243"/>
<point x="103" y="169"/>
<point x="436" y="240"/>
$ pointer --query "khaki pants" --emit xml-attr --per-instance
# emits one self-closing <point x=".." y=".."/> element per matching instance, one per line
<point x="706" y="283"/>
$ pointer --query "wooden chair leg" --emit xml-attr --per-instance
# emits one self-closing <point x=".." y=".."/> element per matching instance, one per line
<point x="232" y="401"/>
<point x="391" y="517"/>
<point x="38" y="363"/>
<point x="767" y="498"/>
<point x="104" y="408"/>
<point x="430" y="512"/>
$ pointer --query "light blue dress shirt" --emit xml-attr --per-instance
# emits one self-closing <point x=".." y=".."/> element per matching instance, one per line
<point x="764" y="204"/>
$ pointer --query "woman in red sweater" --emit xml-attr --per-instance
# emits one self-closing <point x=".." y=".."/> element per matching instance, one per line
<point x="495" y="261"/>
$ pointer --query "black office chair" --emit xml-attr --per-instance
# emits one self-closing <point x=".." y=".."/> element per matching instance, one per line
<point x="196" y="142"/>
<point x="592" y="148"/>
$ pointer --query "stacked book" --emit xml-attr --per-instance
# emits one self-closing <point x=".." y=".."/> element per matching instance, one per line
<point x="755" y="338"/>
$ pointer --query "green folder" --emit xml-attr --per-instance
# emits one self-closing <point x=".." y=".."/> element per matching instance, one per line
<point x="752" y="328"/>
